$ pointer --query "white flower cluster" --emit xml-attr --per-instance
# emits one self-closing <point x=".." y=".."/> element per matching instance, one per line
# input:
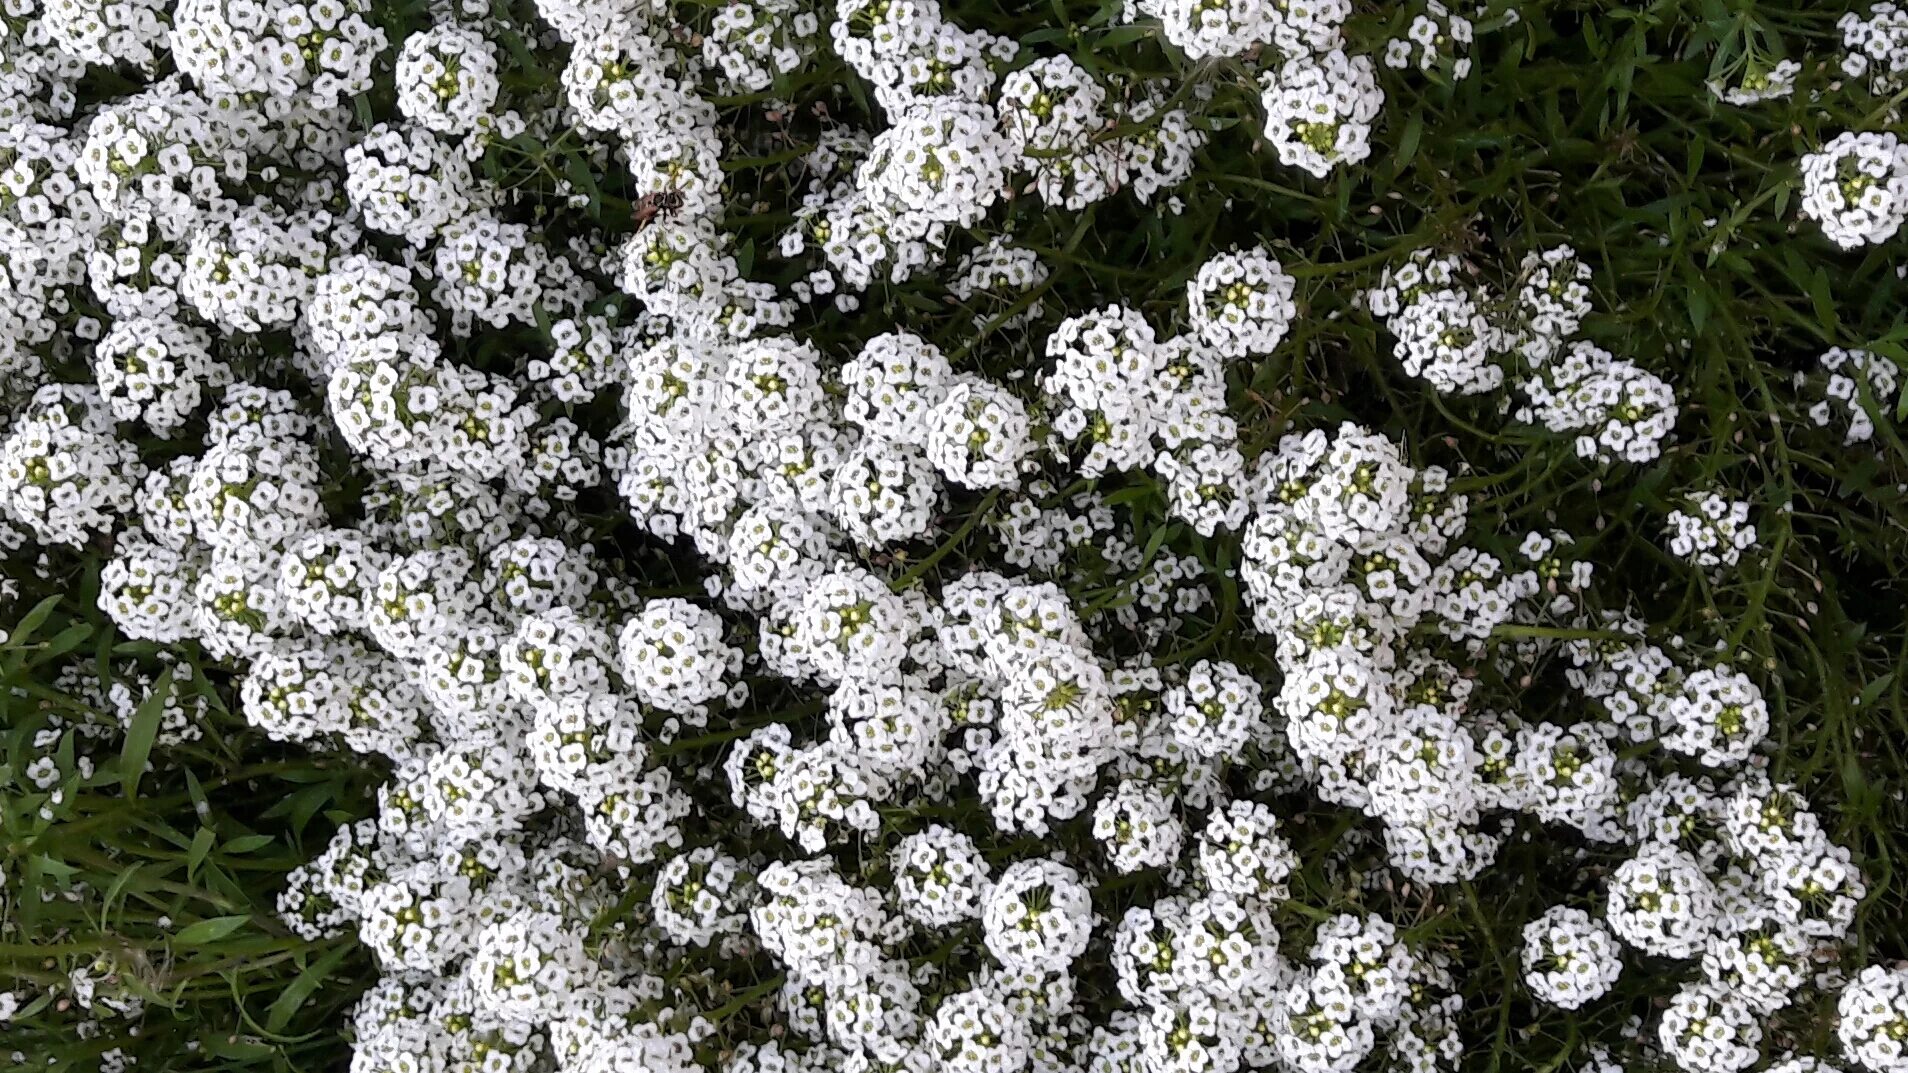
<point x="886" y="207"/>
<point x="1857" y="383"/>
<point x="1443" y="332"/>
<point x="1321" y="102"/>
<point x="1120" y="398"/>
<point x="1461" y="336"/>
<point x="1710" y="1028"/>
<point x="1856" y="187"/>
<point x="1437" y="39"/>
<point x="1240" y="304"/>
<point x="1711" y="530"/>
<point x="1553" y="297"/>
<point x="1320" y="109"/>
<point x="1003" y="281"/>
<point x="320" y="53"/>
<point x="64" y="472"/>
<point x="1382" y="726"/>
<point x="1570" y="957"/>
<point x="1877" y="46"/>
<point x="1205" y="29"/>
<point x="1743" y="877"/>
<point x="1615" y="410"/>
<point x="1756" y="83"/>
<point x="1874" y="1020"/>
<point x="752" y="42"/>
<point x="960" y="819"/>
<point x="447" y="80"/>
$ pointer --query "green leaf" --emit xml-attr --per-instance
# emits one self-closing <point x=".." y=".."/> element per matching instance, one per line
<point x="202" y="843"/>
<point x="200" y="803"/>
<point x="300" y="990"/>
<point x="31" y="621"/>
<point x="123" y="880"/>
<point x="139" y="736"/>
<point x="63" y="642"/>
<point x="1872" y="691"/>
<point x="1408" y="143"/>
<point x="1698" y="309"/>
<point x="210" y="930"/>
<point x="1123" y="35"/>
<point x="1861" y="795"/>
<point x="1154" y="541"/>
<point x="1824" y="304"/>
<point x="238" y="1048"/>
<point x="247" y="843"/>
<point x="305" y="804"/>
<point x="57" y="868"/>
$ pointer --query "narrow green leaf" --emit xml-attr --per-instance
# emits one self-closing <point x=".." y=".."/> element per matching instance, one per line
<point x="61" y="643"/>
<point x="31" y="621"/>
<point x="140" y="735"/>
<point x="300" y="990"/>
<point x="239" y="1048"/>
<point x="247" y="843"/>
<point x="1123" y="35"/>
<point x="1157" y="539"/>
<point x="1408" y="143"/>
<point x="307" y="802"/>
<point x="1872" y="691"/>
<point x="52" y="867"/>
<point x="210" y="930"/>
<point x="1819" y="293"/>
<point x="124" y="880"/>
<point x="202" y="843"/>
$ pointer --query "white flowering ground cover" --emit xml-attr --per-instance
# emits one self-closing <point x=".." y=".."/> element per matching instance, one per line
<point x="885" y="536"/>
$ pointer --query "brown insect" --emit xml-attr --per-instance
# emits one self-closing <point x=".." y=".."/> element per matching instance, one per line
<point x="661" y="204"/>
